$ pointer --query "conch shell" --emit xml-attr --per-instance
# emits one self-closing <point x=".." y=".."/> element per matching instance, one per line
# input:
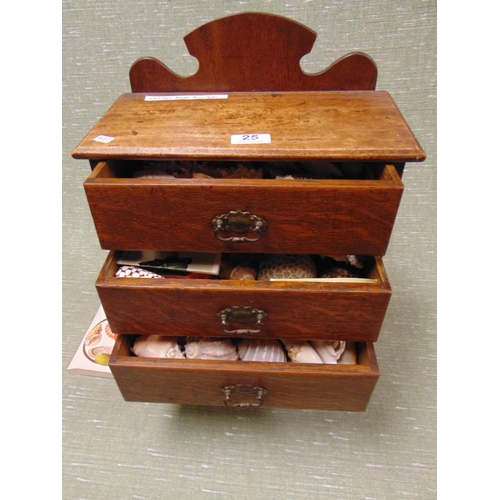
<point x="300" y="351"/>
<point x="329" y="351"/>
<point x="157" y="346"/>
<point x="261" y="350"/>
<point x="210" y="348"/>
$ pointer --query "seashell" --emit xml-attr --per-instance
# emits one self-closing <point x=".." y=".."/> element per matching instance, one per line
<point x="201" y="175"/>
<point x="352" y="260"/>
<point x="287" y="177"/>
<point x="156" y="346"/>
<point x="152" y="173"/>
<point x="243" y="272"/>
<point x="300" y="351"/>
<point x="210" y="348"/>
<point x="135" y="272"/>
<point x="241" y="171"/>
<point x="349" y="356"/>
<point x="329" y="351"/>
<point x="237" y="268"/>
<point x="287" y="267"/>
<point x="261" y="350"/>
<point x="339" y="272"/>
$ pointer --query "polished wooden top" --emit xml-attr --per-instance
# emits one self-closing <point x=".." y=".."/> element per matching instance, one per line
<point x="337" y="125"/>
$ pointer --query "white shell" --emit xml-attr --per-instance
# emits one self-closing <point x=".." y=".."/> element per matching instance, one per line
<point x="156" y="346"/>
<point x="261" y="350"/>
<point x="152" y="173"/>
<point x="301" y="351"/>
<point x="209" y="348"/>
<point x="329" y="351"/>
<point x="349" y="357"/>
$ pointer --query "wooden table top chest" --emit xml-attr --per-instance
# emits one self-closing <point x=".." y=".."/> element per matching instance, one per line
<point x="321" y="158"/>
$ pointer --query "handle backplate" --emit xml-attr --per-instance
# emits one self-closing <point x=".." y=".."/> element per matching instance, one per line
<point x="236" y="223"/>
<point x="242" y="315"/>
<point x="237" y="395"/>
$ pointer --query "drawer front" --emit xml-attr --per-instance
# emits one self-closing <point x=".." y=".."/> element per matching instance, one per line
<point x="244" y="215"/>
<point x="260" y="309"/>
<point x="249" y="384"/>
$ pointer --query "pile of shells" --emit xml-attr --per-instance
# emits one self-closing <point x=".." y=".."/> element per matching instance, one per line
<point x="257" y="350"/>
<point x="253" y="170"/>
<point x="269" y="267"/>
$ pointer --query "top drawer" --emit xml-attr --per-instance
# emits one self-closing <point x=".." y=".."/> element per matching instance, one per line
<point x="329" y="216"/>
<point x="248" y="215"/>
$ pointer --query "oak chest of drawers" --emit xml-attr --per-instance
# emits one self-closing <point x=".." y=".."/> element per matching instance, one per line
<point x="225" y="117"/>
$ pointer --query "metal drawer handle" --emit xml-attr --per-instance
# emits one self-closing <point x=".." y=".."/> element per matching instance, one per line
<point x="243" y="315"/>
<point x="239" y="222"/>
<point x="242" y="391"/>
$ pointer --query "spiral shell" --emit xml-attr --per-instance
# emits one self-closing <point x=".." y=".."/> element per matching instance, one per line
<point x="156" y="346"/>
<point x="287" y="267"/>
<point x="329" y="351"/>
<point x="210" y="348"/>
<point x="261" y="350"/>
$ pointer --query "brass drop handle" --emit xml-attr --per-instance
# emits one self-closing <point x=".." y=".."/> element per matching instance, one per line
<point x="239" y="222"/>
<point x="243" y="315"/>
<point x="235" y="396"/>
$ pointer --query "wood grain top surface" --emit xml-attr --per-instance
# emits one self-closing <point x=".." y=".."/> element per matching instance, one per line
<point x="356" y="126"/>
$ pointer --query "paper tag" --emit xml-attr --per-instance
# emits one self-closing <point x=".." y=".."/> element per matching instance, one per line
<point x="184" y="97"/>
<point x="103" y="138"/>
<point x="250" y="139"/>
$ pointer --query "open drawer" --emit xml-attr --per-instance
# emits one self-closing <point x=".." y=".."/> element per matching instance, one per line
<point x="335" y="216"/>
<point x="259" y="309"/>
<point x="243" y="383"/>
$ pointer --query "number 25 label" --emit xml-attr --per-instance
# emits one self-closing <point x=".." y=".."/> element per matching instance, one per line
<point x="250" y="139"/>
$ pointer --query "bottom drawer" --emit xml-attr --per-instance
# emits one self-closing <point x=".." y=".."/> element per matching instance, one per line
<point x="245" y="383"/>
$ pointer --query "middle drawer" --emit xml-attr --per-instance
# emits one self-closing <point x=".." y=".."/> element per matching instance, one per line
<point x="260" y="309"/>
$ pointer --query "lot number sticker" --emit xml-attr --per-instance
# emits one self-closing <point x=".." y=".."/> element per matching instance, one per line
<point x="250" y="139"/>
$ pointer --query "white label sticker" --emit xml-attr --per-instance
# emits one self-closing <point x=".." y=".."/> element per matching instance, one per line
<point x="184" y="97"/>
<point x="103" y="138"/>
<point x="250" y="139"/>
